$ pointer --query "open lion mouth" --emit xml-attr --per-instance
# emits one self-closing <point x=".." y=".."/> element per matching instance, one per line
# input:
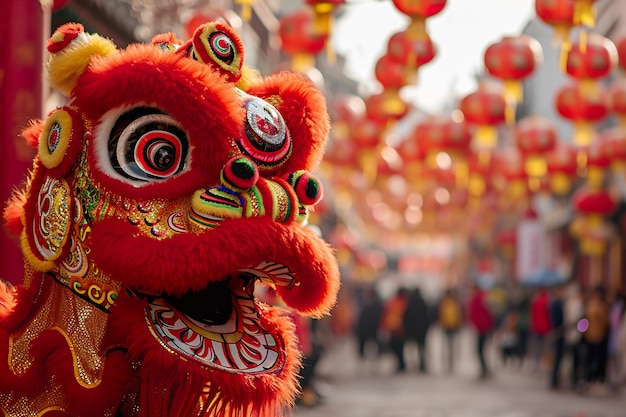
<point x="221" y="326"/>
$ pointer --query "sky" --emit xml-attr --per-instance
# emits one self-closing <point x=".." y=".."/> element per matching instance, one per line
<point x="462" y="31"/>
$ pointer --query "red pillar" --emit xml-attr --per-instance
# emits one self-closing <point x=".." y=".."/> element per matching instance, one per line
<point x="24" y="26"/>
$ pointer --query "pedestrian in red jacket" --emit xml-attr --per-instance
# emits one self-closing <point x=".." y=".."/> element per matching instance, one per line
<point x="482" y="320"/>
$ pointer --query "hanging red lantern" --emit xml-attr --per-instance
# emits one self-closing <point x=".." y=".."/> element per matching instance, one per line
<point x="323" y="12"/>
<point x="617" y="100"/>
<point x="299" y="39"/>
<point x="411" y="49"/>
<point x="584" y="107"/>
<point x="420" y="10"/>
<point x="593" y="60"/>
<point x="534" y="137"/>
<point x="513" y="59"/>
<point x="562" y="168"/>
<point x="367" y="133"/>
<point x="593" y="206"/>
<point x="560" y="15"/>
<point x="344" y="109"/>
<point x="510" y="179"/>
<point x="612" y="142"/>
<point x="446" y="141"/>
<point x="246" y="9"/>
<point x="390" y="73"/>
<point x="621" y="52"/>
<point x="484" y="109"/>
<point x="412" y="156"/>
<point x="598" y="162"/>
<point x="386" y="107"/>
<point x="584" y="12"/>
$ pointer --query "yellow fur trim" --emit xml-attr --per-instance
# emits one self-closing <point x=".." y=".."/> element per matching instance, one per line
<point x="249" y="76"/>
<point x="31" y="258"/>
<point x="52" y="158"/>
<point x="66" y="66"/>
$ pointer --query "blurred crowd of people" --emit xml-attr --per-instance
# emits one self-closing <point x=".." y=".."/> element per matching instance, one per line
<point x="575" y="339"/>
<point x="578" y="338"/>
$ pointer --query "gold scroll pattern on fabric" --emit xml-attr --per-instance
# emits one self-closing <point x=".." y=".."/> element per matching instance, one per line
<point x="81" y="323"/>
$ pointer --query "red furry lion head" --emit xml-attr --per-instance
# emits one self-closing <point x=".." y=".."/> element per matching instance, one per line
<point x="174" y="180"/>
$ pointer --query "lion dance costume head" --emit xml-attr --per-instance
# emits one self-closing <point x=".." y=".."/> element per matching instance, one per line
<point x="173" y="181"/>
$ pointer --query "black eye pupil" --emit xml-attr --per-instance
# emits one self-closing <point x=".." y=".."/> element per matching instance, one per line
<point x="163" y="157"/>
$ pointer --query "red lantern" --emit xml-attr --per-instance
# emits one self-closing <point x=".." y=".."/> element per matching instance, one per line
<point x="534" y="137"/>
<point x="598" y="161"/>
<point x="621" y="52"/>
<point x="484" y="109"/>
<point x="593" y="60"/>
<point x="420" y="10"/>
<point x="612" y="142"/>
<point x="558" y="14"/>
<point x="390" y="73"/>
<point x="299" y="39"/>
<point x="583" y="107"/>
<point x="366" y="133"/>
<point x="443" y="134"/>
<point x="386" y="107"/>
<point x="562" y="166"/>
<point x="412" y="49"/>
<point x="617" y="100"/>
<point x="590" y="228"/>
<point x="513" y="59"/>
<point x="323" y="10"/>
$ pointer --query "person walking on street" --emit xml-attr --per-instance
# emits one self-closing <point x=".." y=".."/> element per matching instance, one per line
<point x="368" y="323"/>
<point x="450" y="319"/>
<point x="416" y="324"/>
<point x="483" y="321"/>
<point x="574" y="310"/>
<point x="557" y="319"/>
<point x="540" y="324"/>
<point x="596" y="337"/>
<point x="393" y="325"/>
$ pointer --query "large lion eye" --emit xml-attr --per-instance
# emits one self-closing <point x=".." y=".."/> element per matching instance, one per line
<point x="266" y="138"/>
<point x="147" y="145"/>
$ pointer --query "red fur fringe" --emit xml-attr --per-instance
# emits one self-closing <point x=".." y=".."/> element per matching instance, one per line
<point x="200" y="258"/>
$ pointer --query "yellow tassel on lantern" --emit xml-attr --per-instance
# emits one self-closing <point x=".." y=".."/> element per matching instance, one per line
<point x="595" y="178"/>
<point x="584" y="13"/>
<point x="590" y="242"/>
<point x="302" y="62"/>
<point x="583" y="133"/>
<point x="461" y="173"/>
<point x="486" y="136"/>
<point x="322" y="21"/>
<point x="246" y="9"/>
<point x="560" y="183"/>
<point x="535" y="166"/>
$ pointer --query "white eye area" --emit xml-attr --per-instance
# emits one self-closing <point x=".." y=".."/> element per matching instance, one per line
<point x="266" y="137"/>
<point x="146" y="145"/>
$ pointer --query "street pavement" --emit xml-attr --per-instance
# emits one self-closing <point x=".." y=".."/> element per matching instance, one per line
<point x="351" y="388"/>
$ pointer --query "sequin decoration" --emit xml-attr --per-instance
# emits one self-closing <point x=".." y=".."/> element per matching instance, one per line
<point x="219" y="44"/>
<point x="266" y="140"/>
<point x="52" y="220"/>
<point x="62" y="130"/>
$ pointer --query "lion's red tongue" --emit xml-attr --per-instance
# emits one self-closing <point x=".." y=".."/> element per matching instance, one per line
<point x="212" y="306"/>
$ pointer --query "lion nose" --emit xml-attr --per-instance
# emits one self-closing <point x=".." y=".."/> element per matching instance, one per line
<point x="243" y="193"/>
